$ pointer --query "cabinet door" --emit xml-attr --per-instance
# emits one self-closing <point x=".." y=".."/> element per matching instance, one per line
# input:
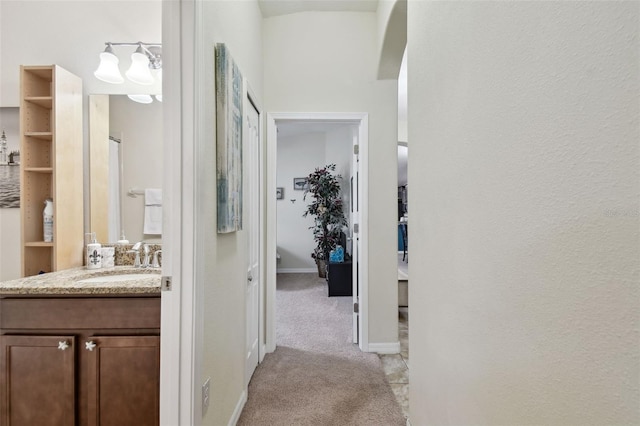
<point x="37" y="380"/>
<point x="123" y="380"/>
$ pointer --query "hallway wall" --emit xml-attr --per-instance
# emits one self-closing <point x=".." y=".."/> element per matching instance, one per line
<point x="524" y="118"/>
<point x="330" y="66"/>
<point x="221" y="259"/>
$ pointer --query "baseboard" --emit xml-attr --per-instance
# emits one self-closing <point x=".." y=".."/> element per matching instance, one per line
<point x="385" y="348"/>
<point x="296" y="270"/>
<point x="263" y="352"/>
<point x="238" y="410"/>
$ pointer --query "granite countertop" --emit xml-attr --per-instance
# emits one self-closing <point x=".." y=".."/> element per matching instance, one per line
<point x="66" y="282"/>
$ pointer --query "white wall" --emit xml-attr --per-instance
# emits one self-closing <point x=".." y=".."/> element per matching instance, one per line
<point x="331" y="67"/>
<point x="526" y="208"/>
<point x="220" y="259"/>
<point x="72" y="34"/>
<point x="10" y="253"/>
<point x="339" y="151"/>
<point x="138" y="125"/>
<point x="298" y="156"/>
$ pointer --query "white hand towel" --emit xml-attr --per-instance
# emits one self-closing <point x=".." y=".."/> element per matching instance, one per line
<point x="152" y="211"/>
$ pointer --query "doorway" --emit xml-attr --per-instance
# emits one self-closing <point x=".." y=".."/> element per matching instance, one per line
<point x="359" y="121"/>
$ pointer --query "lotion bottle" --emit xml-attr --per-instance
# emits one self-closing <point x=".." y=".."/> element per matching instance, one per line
<point x="47" y="221"/>
<point x="94" y="253"/>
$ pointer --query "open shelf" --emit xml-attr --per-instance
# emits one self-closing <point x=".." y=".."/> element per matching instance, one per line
<point x="51" y="166"/>
<point x="45" y="136"/>
<point x="38" y="169"/>
<point x="43" y="101"/>
<point x="38" y="244"/>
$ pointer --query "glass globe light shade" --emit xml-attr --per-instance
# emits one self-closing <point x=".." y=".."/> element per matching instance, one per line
<point x="108" y="69"/>
<point x="139" y="70"/>
<point x="143" y="99"/>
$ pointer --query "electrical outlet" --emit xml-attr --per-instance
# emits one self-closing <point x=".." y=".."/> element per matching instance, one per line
<point x="205" y="395"/>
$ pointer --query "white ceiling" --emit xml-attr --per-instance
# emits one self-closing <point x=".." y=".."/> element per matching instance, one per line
<point x="284" y="7"/>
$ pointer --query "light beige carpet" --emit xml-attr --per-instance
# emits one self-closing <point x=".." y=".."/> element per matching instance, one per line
<point x="317" y="376"/>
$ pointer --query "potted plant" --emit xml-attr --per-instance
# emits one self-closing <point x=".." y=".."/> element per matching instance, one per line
<point x="327" y="210"/>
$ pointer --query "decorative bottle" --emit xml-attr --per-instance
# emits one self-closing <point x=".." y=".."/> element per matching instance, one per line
<point x="47" y="223"/>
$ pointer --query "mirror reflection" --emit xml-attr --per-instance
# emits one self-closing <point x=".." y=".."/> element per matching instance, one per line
<point x="125" y="163"/>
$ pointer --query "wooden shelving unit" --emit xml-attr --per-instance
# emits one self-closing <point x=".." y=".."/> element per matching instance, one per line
<point x="51" y="167"/>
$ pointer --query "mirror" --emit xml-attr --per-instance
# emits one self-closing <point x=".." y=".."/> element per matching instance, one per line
<point x="125" y="158"/>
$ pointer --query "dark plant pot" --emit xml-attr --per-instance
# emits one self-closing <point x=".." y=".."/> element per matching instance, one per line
<point x="322" y="268"/>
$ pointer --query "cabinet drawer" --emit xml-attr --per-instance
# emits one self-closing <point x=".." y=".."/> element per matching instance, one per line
<point x="80" y="313"/>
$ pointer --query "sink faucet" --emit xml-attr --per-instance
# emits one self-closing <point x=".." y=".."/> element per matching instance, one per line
<point x="136" y="249"/>
<point x="156" y="263"/>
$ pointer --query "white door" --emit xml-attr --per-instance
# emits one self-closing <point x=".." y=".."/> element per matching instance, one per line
<point x="355" y="235"/>
<point x="252" y="166"/>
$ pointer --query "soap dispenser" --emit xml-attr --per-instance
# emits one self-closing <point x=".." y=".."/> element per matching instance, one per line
<point x="94" y="253"/>
<point x="47" y="223"/>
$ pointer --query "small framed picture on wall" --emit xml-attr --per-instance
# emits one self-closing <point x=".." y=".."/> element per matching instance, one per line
<point x="300" y="184"/>
<point x="279" y="193"/>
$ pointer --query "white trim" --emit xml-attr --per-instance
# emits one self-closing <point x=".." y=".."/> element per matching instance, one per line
<point x="271" y="243"/>
<point x="261" y="243"/>
<point x="385" y="348"/>
<point x="362" y="120"/>
<point x="177" y="336"/>
<point x="363" y="265"/>
<point x="195" y="114"/>
<point x="297" y="270"/>
<point x="238" y="410"/>
<point x="263" y="351"/>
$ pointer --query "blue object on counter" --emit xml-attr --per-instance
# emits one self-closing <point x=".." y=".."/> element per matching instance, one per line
<point x="337" y="255"/>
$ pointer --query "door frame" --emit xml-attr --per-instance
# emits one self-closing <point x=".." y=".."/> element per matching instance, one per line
<point x="361" y="120"/>
<point x="251" y="97"/>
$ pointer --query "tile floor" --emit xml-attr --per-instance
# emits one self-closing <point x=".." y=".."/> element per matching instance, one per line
<point x="396" y="366"/>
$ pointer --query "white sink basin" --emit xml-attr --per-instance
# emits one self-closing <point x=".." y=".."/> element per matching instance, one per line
<point x="118" y="278"/>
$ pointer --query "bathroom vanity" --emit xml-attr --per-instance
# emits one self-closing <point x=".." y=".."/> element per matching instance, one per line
<point x="81" y="347"/>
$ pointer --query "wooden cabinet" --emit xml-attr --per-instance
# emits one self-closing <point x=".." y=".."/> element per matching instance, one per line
<point x="41" y="378"/>
<point x="80" y="361"/>
<point x="51" y="166"/>
<point x="340" y="278"/>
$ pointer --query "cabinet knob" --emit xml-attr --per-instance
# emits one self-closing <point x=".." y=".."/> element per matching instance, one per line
<point x="63" y="345"/>
<point x="90" y="345"/>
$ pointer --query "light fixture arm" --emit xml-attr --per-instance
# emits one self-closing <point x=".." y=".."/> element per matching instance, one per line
<point x="152" y="50"/>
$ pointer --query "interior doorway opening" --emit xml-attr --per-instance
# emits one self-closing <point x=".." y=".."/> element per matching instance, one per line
<point x="309" y="127"/>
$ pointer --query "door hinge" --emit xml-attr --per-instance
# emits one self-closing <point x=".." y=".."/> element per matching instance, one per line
<point x="165" y="284"/>
<point x="356" y="228"/>
<point x="356" y="149"/>
<point x="356" y="308"/>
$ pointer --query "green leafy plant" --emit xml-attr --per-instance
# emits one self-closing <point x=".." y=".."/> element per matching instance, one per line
<point x="326" y="208"/>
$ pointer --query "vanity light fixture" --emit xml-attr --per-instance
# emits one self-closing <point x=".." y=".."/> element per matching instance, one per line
<point x="148" y="56"/>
